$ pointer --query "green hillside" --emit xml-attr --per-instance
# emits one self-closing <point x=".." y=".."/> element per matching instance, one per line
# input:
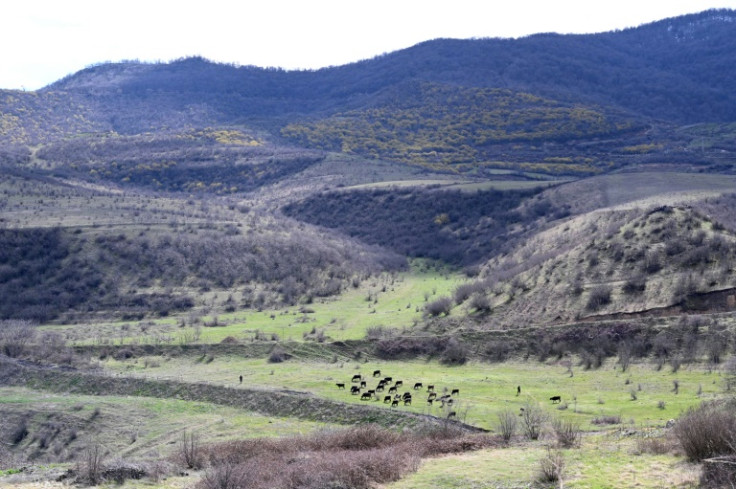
<point x="445" y="127"/>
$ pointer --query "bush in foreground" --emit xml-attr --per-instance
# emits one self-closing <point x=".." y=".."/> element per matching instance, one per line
<point x="355" y="458"/>
<point x="708" y="431"/>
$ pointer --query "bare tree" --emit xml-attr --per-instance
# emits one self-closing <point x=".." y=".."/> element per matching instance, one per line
<point x="507" y="422"/>
<point x="532" y="420"/>
<point x="190" y="451"/>
<point x="15" y="335"/>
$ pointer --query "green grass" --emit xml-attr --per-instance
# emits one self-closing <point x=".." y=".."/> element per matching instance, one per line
<point x="485" y="389"/>
<point x="506" y="468"/>
<point x="393" y="301"/>
<point x="138" y="426"/>
<point x="603" y="461"/>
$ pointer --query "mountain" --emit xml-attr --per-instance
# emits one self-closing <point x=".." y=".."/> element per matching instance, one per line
<point x="677" y="69"/>
<point x="125" y="157"/>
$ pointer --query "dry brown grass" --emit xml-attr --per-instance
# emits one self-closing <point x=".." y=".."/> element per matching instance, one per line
<point x="351" y="458"/>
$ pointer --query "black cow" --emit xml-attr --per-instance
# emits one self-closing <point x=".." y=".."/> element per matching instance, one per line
<point x="417" y="386"/>
<point x="340" y="385"/>
<point x="356" y="378"/>
<point x="555" y="399"/>
<point x="376" y="373"/>
<point x="455" y="391"/>
<point x="366" y="395"/>
<point x="387" y="399"/>
<point x="355" y="389"/>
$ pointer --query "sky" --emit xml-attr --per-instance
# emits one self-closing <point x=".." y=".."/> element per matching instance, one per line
<point x="45" y="40"/>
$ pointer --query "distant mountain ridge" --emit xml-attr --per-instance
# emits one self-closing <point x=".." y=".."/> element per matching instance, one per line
<point x="582" y="104"/>
<point x="678" y="69"/>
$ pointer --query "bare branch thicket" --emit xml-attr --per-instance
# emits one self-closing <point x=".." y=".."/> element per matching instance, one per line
<point x="190" y="451"/>
<point x="532" y="420"/>
<point x="507" y="423"/>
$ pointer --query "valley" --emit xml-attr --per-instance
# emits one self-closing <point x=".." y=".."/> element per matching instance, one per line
<point x="200" y="263"/>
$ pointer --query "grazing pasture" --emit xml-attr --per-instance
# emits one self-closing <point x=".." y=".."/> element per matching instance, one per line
<point x="390" y="300"/>
<point x="485" y="388"/>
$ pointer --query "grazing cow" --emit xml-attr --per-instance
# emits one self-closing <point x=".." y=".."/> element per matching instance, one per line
<point x="356" y="378"/>
<point x="406" y="395"/>
<point x="386" y="399"/>
<point x="371" y="391"/>
<point x="518" y="390"/>
<point x="363" y="384"/>
<point x="399" y="383"/>
<point x="392" y="390"/>
<point x="388" y="379"/>
<point x="455" y="391"/>
<point x="417" y="386"/>
<point x="380" y="388"/>
<point x="397" y="396"/>
<point x="430" y="388"/>
<point x="429" y="401"/>
<point x="394" y="403"/>
<point x="432" y="395"/>
<point x="376" y="373"/>
<point x="340" y="385"/>
<point x="450" y="402"/>
<point x="555" y="399"/>
<point x="355" y="389"/>
<point x="366" y="395"/>
<point x="407" y="401"/>
<point x="451" y="414"/>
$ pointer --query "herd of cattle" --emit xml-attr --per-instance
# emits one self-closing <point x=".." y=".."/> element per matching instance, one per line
<point x="390" y="388"/>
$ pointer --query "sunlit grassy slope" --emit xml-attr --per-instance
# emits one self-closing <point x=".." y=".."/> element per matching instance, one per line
<point x="642" y="396"/>
<point x="390" y="300"/>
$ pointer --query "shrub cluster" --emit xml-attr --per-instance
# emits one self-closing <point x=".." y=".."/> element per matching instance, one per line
<point x="353" y="458"/>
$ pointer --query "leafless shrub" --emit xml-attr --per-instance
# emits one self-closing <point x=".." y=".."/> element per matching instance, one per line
<point x="190" y="451"/>
<point x="441" y="306"/>
<point x="359" y="458"/>
<point x="464" y="291"/>
<point x="599" y="297"/>
<point x="624" y="355"/>
<point x="89" y="470"/>
<point x="656" y="445"/>
<point x="635" y="285"/>
<point x="455" y="353"/>
<point x="506" y="425"/>
<point x="552" y="466"/>
<point x="377" y="332"/>
<point x="226" y="476"/>
<point x="19" y="432"/>
<point x="480" y="303"/>
<point x="278" y="355"/>
<point x="719" y="472"/>
<point x="567" y="432"/>
<point x="608" y="419"/>
<point x="707" y="431"/>
<point x="532" y="420"/>
<point x="15" y="336"/>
